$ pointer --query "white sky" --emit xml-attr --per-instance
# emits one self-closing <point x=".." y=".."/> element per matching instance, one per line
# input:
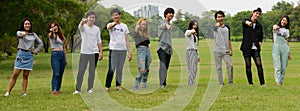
<point x="197" y="6"/>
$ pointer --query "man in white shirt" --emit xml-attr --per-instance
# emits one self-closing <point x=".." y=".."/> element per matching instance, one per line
<point x="118" y="46"/>
<point x="91" y="50"/>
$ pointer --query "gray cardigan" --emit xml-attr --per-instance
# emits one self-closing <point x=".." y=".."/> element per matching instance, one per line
<point x="27" y="42"/>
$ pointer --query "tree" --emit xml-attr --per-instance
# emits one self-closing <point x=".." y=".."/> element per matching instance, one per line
<point x="272" y="17"/>
<point x="236" y="22"/>
<point x="41" y="12"/>
<point x="181" y="22"/>
<point x="295" y="23"/>
<point x="153" y="25"/>
<point x="205" y="24"/>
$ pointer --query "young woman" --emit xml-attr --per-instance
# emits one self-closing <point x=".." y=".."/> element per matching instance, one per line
<point x="280" y="51"/>
<point x="141" y="38"/>
<point x="24" y="59"/>
<point x="192" y="57"/>
<point x="58" y="55"/>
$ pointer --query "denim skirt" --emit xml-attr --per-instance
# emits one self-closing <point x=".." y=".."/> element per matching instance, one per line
<point x="24" y="60"/>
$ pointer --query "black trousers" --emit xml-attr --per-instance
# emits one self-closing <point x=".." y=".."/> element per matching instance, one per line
<point x="257" y="59"/>
<point x="163" y="66"/>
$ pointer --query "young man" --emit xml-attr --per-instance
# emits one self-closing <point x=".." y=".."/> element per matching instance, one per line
<point x="223" y="49"/>
<point x="118" y="46"/>
<point x="91" y="50"/>
<point x="165" y="45"/>
<point x="252" y="40"/>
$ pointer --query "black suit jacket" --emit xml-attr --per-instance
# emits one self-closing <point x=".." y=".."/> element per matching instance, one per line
<point x="250" y="36"/>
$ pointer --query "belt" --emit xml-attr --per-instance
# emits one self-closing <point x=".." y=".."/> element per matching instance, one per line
<point x="24" y="50"/>
<point x="141" y="46"/>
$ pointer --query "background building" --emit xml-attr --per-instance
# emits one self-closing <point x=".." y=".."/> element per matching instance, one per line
<point x="146" y="11"/>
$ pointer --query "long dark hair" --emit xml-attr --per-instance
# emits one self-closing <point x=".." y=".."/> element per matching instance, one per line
<point x="22" y="25"/>
<point x="287" y="26"/>
<point x="59" y="33"/>
<point x="192" y="22"/>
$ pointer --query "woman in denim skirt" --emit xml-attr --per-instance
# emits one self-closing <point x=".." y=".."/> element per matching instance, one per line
<point x="24" y="59"/>
<point x="58" y="55"/>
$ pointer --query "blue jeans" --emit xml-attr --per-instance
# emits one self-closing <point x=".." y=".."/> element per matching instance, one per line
<point x="144" y="57"/>
<point x="58" y="63"/>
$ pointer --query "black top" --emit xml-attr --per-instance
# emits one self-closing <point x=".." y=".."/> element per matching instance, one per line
<point x="141" y="40"/>
<point x="251" y="35"/>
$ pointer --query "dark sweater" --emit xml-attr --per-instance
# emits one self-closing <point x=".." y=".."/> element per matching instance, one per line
<point x="140" y="40"/>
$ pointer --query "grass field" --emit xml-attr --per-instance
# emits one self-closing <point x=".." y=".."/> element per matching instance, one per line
<point x="206" y="95"/>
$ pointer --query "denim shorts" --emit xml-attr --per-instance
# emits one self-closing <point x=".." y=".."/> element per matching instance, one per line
<point x="24" y="60"/>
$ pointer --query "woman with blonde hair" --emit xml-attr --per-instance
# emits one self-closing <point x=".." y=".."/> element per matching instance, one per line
<point x="141" y="38"/>
<point x="58" y="55"/>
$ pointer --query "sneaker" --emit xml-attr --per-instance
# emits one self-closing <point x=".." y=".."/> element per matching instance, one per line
<point x="106" y="89"/>
<point x="90" y="91"/>
<point x="221" y="84"/>
<point x="144" y="86"/>
<point x="76" y="92"/>
<point x="6" y="94"/>
<point x="136" y="87"/>
<point x="118" y="88"/>
<point x="54" y="93"/>
<point x="263" y="85"/>
<point x="24" y="94"/>
<point x="59" y="92"/>
<point x="163" y="86"/>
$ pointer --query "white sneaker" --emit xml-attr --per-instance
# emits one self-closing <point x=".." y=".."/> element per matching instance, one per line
<point x="24" y="94"/>
<point x="6" y="94"/>
<point x="76" y="92"/>
<point x="106" y="89"/>
<point x="90" y="91"/>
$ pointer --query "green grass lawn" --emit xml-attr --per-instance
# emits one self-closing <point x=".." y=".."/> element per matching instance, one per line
<point x="206" y="95"/>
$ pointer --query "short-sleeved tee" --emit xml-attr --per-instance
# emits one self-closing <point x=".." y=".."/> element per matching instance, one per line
<point x="91" y="37"/>
<point x="117" y="37"/>
<point x="56" y="42"/>
<point x="281" y="32"/>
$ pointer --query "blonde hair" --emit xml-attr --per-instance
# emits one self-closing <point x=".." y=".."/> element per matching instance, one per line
<point x="138" y="29"/>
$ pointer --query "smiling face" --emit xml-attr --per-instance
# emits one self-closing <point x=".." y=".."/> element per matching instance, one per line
<point x="116" y="17"/>
<point x="220" y="18"/>
<point x="27" y="25"/>
<point x="255" y="15"/>
<point x="54" y="27"/>
<point x="143" y="25"/>
<point x="91" y="19"/>
<point x="195" y="26"/>
<point x="169" y="16"/>
<point x="283" y="22"/>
